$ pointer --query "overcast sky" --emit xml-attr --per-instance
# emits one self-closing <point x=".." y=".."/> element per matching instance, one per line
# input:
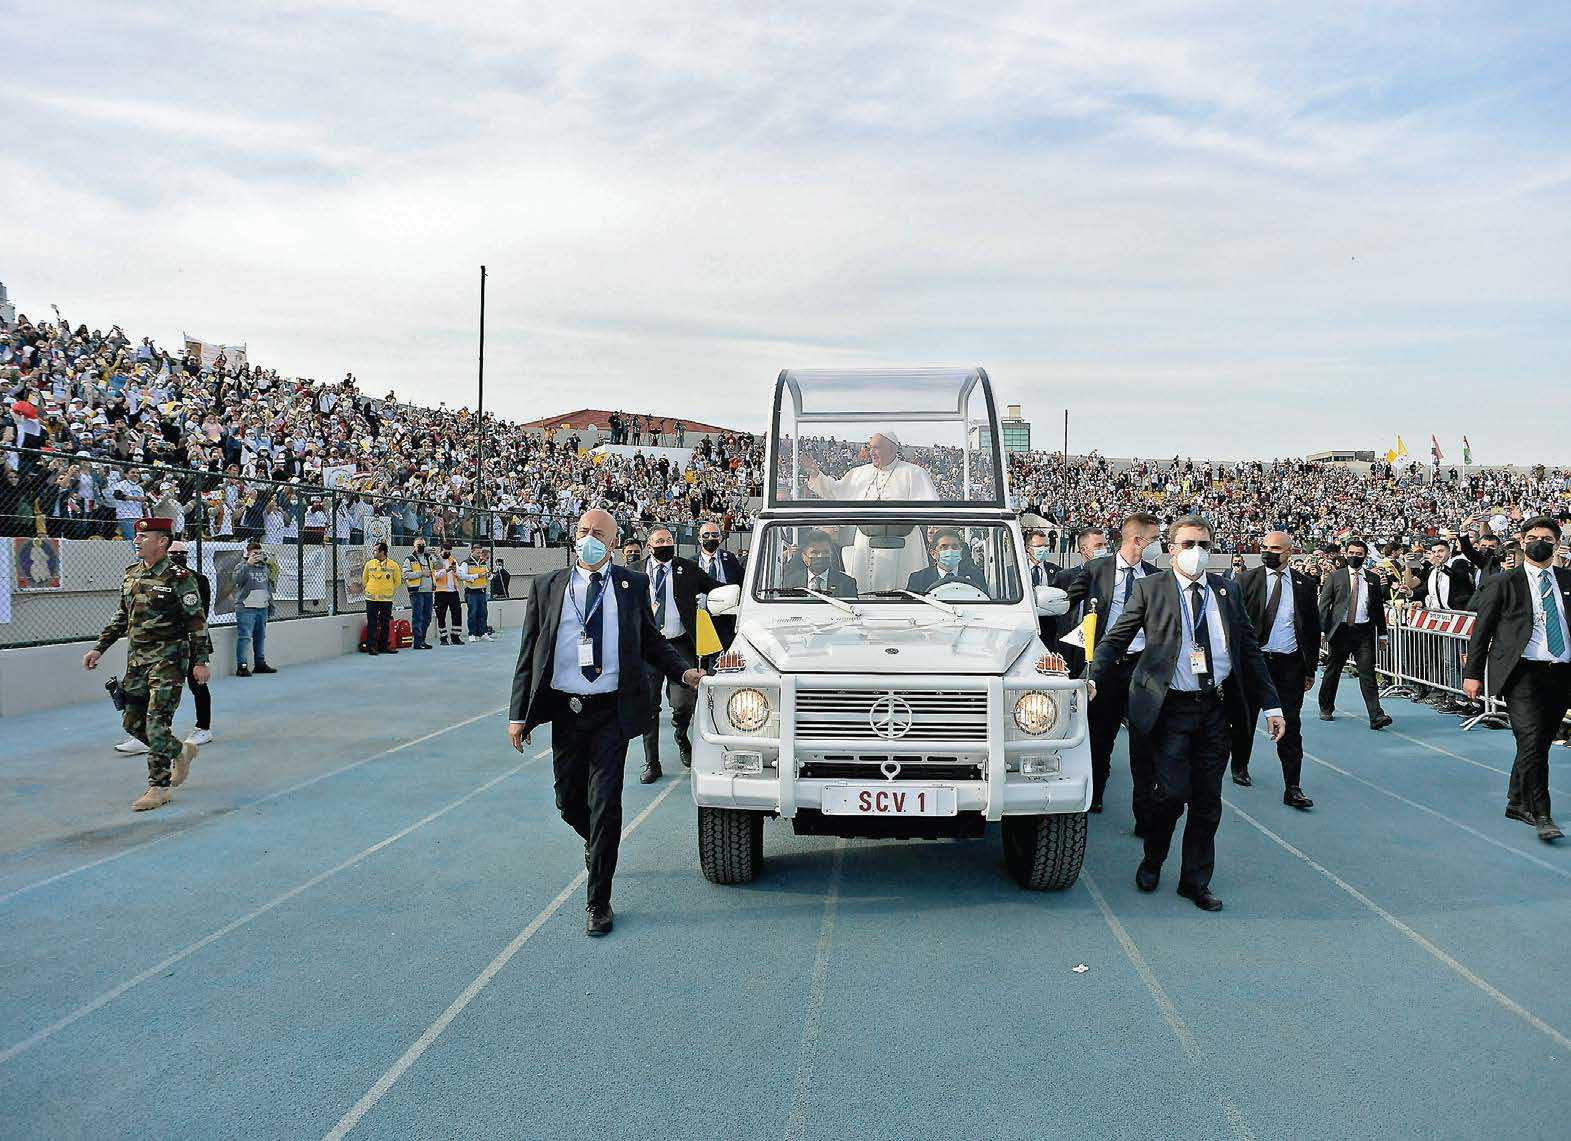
<point x="1226" y="231"/>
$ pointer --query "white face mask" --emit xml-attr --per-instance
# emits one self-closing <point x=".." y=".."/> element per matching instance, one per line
<point x="1153" y="549"/>
<point x="1191" y="561"/>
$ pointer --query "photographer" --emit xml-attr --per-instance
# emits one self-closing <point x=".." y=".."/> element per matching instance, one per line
<point x="253" y="591"/>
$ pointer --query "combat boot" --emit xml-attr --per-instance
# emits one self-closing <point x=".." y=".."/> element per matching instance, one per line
<point x="182" y="764"/>
<point x="156" y="796"/>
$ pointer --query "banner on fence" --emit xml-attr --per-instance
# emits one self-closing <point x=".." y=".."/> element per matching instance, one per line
<point x="36" y="563"/>
<point x="5" y="584"/>
<point x="378" y="529"/>
<point x="354" y="574"/>
<point x="219" y="560"/>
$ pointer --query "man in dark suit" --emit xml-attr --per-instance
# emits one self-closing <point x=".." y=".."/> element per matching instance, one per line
<point x="722" y="566"/>
<point x="1283" y="607"/>
<point x="949" y="565"/>
<point x="1109" y="583"/>
<point x="674" y="586"/>
<point x="588" y="633"/>
<point x="1353" y="616"/>
<point x="1200" y="672"/>
<point x="814" y="568"/>
<point x="1075" y="581"/>
<point x="1521" y="644"/>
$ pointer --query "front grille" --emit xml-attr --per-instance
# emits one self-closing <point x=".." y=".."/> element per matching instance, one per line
<point x="868" y="770"/>
<point x="891" y="715"/>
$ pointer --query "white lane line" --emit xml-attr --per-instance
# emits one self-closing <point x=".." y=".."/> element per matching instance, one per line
<point x="212" y="937"/>
<point x="480" y="982"/>
<point x="1468" y="828"/>
<point x="1439" y="955"/>
<point x="1203" y="1066"/>
<point x="307" y="783"/>
<point x="796" y="1124"/>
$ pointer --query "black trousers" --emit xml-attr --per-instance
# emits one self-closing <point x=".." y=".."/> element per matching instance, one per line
<point x="1105" y="714"/>
<point x="448" y="612"/>
<point x="588" y="753"/>
<point x="1537" y="695"/>
<point x="378" y="617"/>
<point x="1189" y="750"/>
<point x="1358" y="643"/>
<point x="682" y="701"/>
<point x="203" y="696"/>
<point x="1287" y="674"/>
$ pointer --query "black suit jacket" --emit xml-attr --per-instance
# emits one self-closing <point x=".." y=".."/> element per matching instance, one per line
<point x="841" y="585"/>
<point x="1099" y="582"/>
<point x="926" y="579"/>
<point x="688" y="581"/>
<point x="1504" y="624"/>
<point x="725" y="624"/>
<point x="1154" y="608"/>
<point x="1337" y="591"/>
<point x="534" y="702"/>
<point x="1254" y="586"/>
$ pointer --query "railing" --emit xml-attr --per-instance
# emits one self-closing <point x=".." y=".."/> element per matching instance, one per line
<point x="1427" y="650"/>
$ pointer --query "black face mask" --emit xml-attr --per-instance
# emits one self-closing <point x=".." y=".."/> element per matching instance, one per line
<point x="1539" y="550"/>
<point x="1271" y="559"/>
<point x="663" y="554"/>
<point x="710" y="544"/>
<point x="1355" y="561"/>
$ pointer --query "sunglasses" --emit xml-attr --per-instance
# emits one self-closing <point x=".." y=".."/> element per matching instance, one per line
<point x="1185" y="544"/>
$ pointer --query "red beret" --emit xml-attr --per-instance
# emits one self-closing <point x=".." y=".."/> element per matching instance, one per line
<point x="154" y="523"/>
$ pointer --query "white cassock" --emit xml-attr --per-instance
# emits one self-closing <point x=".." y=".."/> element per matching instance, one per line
<point x="880" y="569"/>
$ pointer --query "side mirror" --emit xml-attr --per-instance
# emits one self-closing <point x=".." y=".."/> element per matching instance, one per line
<point x="1051" y="601"/>
<point x="726" y="599"/>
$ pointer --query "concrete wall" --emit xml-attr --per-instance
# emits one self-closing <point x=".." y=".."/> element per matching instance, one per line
<point x="46" y="677"/>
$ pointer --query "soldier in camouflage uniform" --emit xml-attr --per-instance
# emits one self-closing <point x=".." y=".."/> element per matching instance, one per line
<point x="162" y="614"/>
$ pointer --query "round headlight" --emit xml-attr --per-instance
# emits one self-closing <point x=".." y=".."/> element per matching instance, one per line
<point x="1036" y="713"/>
<point x="748" y="710"/>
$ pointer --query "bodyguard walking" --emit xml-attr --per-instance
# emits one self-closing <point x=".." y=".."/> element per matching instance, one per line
<point x="1200" y="672"/>
<point x="1520" y="641"/>
<point x="588" y="634"/>
<point x="1353" y="616"/>
<point x="674" y="586"/>
<point x="161" y="614"/>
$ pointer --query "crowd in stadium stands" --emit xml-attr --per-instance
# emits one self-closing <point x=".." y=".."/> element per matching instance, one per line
<point x="84" y="397"/>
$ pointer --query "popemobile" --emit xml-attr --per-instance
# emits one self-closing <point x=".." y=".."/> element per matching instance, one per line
<point x="887" y="678"/>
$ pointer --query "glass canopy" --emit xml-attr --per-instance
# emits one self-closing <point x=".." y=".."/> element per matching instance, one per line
<point x="891" y="437"/>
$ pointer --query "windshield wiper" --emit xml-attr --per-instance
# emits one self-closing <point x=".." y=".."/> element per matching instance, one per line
<point x="808" y="592"/>
<point x="952" y="611"/>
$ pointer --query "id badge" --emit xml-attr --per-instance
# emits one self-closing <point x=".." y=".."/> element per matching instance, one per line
<point x="586" y="652"/>
<point x="1197" y="661"/>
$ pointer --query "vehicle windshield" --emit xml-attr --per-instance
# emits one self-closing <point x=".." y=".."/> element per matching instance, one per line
<point x="909" y="437"/>
<point x="877" y="558"/>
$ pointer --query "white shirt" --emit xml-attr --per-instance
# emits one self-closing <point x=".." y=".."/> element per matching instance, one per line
<point x="1538" y="641"/>
<point x="1184" y="676"/>
<point x="673" y="627"/>
<point x="713" y="567"/>
<point x="567" y="676"/>
<point x="1115" y="605"/>
<point x="1357" y="581"/>
<point x="1282" y="638"/>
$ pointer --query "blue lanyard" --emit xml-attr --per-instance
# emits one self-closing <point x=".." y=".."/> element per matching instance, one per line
<point x="1200" y="612"/>
<point x="572" y="598"/>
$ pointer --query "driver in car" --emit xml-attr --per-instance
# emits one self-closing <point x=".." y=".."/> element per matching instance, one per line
<point x="816" y="570"/>
<point x="950" y="565"/>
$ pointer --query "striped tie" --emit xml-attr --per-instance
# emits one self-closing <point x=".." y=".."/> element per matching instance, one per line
<point x="1552" y="632"/>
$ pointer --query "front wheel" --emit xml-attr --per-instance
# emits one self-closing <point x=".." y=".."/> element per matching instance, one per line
<point x="1044" y="853"/>
<point x="730" y="844"/>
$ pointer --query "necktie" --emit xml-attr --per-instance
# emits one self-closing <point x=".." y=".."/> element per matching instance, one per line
<point x="1197" y="594"/>
<point x="1272" y="604"/>
<point x="817" y="584"/>
<point x="1352" y="599"/>
<point x="594" y="624"/>
<point x="1552" y="634"/>
<point x="717" y="570"/>
<point x="660" y="572"/>
<point x="1129" y="584"/>
<point x="1036" y="576"/>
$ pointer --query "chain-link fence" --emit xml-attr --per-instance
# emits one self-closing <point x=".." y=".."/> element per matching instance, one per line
<point x="66" y="524"/>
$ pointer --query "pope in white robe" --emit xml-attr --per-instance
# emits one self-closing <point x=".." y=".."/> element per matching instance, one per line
<point x="888" y="477"/>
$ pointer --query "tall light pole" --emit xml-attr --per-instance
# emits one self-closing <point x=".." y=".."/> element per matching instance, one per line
<point x="480" y="412"/>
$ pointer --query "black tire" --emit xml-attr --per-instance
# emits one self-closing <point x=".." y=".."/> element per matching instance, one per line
<point x="730" y="844"/>
<point x="1044" y="853"/>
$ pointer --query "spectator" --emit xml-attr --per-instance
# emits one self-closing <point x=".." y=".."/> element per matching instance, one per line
<point x="253" y="590"/>
<point x="501" y="581"/>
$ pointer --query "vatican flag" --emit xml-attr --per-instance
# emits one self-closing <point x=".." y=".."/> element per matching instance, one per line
<point x="707" y="641"/>
<point x="1083" y="636"/>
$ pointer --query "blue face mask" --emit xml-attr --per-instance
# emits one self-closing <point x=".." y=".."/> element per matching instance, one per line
<point x="1041" y="553"/>
<point x="949" y="560"/>
<point x="590" y="551"/>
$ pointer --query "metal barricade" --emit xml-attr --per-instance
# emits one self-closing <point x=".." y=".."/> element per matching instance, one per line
<point x="1427" y="650"/>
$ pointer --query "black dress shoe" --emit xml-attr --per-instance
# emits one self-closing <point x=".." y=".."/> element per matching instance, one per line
<point x="245" y="671"/>
<point x="1325" y="716"/>
<point x="1201" y="897"/>
<point x="1147" y="877"/>
<point x="1243" y="779"/>
<point x="1096" y="806"/>
<point x="1380" y="722"/>
<point x="1517" y="812"/>
<point x="1294" y="798"/>
<point x="687" y="758"/>
<point x="599" y="920"/>
<point x="1548" y="829"/>
<point x="264" y="668"/>
<point x="650" y="774"/>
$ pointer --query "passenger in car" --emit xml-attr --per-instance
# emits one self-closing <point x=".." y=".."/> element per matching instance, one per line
<point x="950" y="565"/>
<point x="817" y="571"/>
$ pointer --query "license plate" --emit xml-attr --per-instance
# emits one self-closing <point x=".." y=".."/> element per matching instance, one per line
<point x="889" y="799"/>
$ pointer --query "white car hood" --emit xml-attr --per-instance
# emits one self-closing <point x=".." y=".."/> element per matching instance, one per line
<point x="877" y="646"/>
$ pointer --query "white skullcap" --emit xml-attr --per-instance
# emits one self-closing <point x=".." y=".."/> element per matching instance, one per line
<point x="888" y="435"/>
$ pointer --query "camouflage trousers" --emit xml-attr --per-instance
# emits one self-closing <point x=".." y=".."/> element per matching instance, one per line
<point x="152" y="695"/>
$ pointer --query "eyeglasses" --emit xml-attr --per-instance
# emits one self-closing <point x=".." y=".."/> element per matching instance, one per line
<point x="1185" y="544"/>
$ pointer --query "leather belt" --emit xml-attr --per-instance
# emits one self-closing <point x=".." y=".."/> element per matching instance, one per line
<point x="580" y="704"/>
